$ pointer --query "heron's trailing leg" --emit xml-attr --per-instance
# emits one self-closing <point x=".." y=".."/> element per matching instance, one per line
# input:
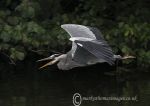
<point x="128" y="57"/>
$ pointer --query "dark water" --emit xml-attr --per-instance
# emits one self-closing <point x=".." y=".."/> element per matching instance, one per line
<point x="28" y="86"/>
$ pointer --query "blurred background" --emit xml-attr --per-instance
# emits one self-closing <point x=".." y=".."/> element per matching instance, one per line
<point x="30" y="30"/>
<point x="34" y="25"/>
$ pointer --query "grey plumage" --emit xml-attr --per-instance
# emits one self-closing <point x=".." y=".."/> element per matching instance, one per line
<point x="88" y="47"/>
<point x="95" y="49"/>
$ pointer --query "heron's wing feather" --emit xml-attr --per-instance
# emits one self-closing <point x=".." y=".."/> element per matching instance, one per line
<point x="88" y="41"/>
<point x="79" y="31"/>
<point x="96" y="32"/>
<point x="80" y="54"/>
<point x="98" y="49"/>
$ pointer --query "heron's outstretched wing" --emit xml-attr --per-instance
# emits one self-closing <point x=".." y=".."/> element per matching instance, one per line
<point x="75" y="30"/>
<point x="98" y="49"/>
<point x="88" y="43"/>
<point x="96" y="32"/>
<point x="81" y="55"/>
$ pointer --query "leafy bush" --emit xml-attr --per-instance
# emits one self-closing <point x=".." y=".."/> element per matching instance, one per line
<point x="33" y="25"/>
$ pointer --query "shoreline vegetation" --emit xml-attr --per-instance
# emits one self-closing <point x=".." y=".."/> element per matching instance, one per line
<point x="34" y="26"/>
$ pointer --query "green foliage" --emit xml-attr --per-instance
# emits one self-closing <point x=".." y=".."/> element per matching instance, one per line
<point x="133" y="38"/>
<point x="15" y="54"/>
<point x="28" y="25"/>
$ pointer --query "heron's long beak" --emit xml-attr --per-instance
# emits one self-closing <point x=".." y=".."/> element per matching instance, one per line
<point x="128" y="57"/>
<point x="48" y="58"/>
<point x="49" y="63"/>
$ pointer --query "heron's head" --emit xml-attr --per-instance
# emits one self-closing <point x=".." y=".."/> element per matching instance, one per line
<point x="52" y="59"/>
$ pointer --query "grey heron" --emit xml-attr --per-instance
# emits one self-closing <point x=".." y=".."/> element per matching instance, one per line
<point x="88" y="48"/>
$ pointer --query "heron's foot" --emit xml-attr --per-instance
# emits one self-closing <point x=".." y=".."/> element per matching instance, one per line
<point x="128" y="57"/>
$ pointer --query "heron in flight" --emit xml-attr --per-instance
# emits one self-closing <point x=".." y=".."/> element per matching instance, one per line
<point x="88" y="48"/>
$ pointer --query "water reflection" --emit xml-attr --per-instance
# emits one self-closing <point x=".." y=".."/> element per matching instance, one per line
<point x="54" y="88"/>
